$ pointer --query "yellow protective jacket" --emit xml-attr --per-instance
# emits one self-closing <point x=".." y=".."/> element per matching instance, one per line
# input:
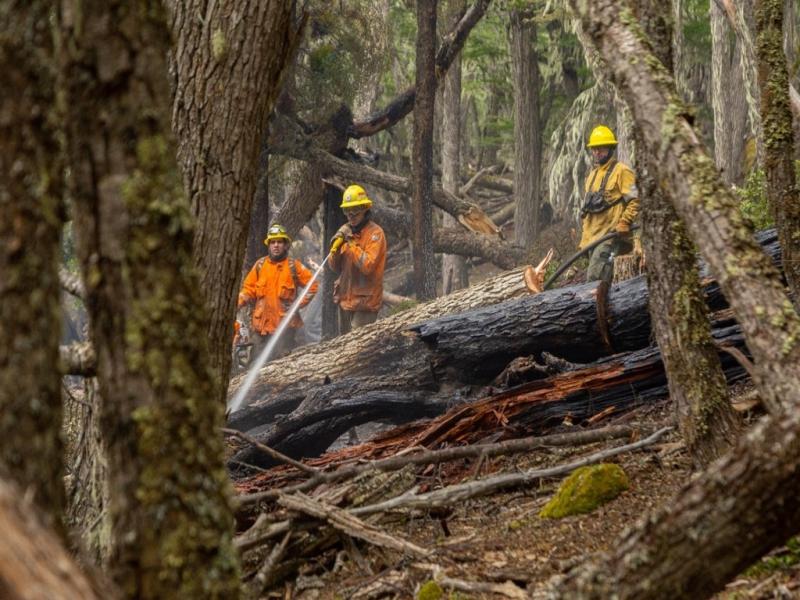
<point x="620" y="194"/>
<point x="361" y="262"/>
<point x="273" y="288"/>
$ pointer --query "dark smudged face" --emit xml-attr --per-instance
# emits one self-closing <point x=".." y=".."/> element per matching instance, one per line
<point x="277" y="248"/>
<point x="355" y="216"/>
<point x="601" y="154"/>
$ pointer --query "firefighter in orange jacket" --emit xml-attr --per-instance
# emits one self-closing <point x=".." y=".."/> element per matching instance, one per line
<point x="273" y="284"/>
<point x="358" y="254"/>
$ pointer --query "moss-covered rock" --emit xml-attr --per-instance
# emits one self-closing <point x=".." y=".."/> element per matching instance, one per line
<point x="430" y="590"/>
<point x="586" y="489"/>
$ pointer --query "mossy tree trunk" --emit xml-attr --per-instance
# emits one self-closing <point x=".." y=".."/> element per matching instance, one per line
<point x="752" y="492"/>
<point x="678" y="312"/>
<point x="30" y="227"/>
<point x="707" y="207"/>
<point x="228" y="59"/>
<point x="776" y="114"/>
<point x="422" y="159"/>
<point x="170" y="506"/>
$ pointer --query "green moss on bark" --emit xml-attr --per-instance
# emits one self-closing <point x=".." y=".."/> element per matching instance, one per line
<point x="586" y="489"/>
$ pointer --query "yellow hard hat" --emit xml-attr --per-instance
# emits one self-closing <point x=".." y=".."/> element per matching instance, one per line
<point x="355" y="196"/>
<point x="601" y="136"/>
<point x="277" y="232"/>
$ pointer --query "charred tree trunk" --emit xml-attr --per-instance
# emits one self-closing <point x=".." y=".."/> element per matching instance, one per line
<point x="782" y="187"/>
<point x="422" y="203"/>
<point x="259" y="217"/>
<point x="170" y="506"/>
<point x="220" y="112"/>
<point x="31" y="216"/>
<point x="680" y="319"/>
<point x="454" y="268"/>
<point x="707" y="207"/>
<point x="333" y="219"/>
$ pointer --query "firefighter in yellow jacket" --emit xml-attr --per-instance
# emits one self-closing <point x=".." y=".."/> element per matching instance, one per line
<point x="611" y="203"/>
<point x="358" y="254"/>
<point x="273" y="284"/>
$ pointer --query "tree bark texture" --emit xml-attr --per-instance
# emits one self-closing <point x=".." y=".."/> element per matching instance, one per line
<point x="227" y="63"/>
<point x="259" y="216"/>
<point x="455" y="275"/>
<point x="745" y="504"/>
<point x="697" y="384"/>
<point x="527" y="128"/>
<point x="33" y="563"/>
<point x="170" y="506"/>
<point x="333" y="219"/>
<point x="730" y="110"/>
<point x="422" y="160"/>
<point x="782" y="187"/>
<point x="707" y="207"/>
<point x="31" y="215"/>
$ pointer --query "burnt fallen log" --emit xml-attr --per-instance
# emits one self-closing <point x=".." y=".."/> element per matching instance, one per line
<point x="427" y="362"/>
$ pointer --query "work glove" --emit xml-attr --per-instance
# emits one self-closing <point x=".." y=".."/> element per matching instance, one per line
<point x="623" y="229"/>
<point x="342" y="235"/>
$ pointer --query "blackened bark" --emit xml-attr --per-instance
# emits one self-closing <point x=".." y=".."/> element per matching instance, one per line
<point x="30" y="226"/>
<point x="776" y="115"/>
<point x="259" y="216"/>
<point x="333" y="219"/>
<point x="422" y="203"/>
<point x="170" y="507"/>
<point x="697" y="384"/>
<point x="227" y="62"/>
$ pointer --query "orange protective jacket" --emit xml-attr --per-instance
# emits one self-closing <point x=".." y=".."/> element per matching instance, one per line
<point x="361" y="262"/>
<point x="273" y="287"/>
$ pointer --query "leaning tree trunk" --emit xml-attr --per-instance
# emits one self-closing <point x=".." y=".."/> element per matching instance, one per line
<point x="227" y="62"/>
<point x="33" y="563"/>
<point x="527" y="129"/>
<point x="259" y="216"/>
<point x="422" y="160"/>
<point x="752" y="493"/>
<point x="455" y="275"/>
<point x="708" y="208"/>
<point x="776" y="114"/>
<point x="697" y="384"/>
<point x="170" y="507"/>
<point x="30" y="226"/>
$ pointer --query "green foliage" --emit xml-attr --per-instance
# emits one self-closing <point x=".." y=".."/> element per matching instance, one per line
<point x="586" y="489"/>
<point x="780" y="560"/>
<point x="430" y="590"/>
<point x="754" y="203"/>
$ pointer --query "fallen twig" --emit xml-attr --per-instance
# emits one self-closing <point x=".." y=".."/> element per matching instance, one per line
<point x="457" y="493"/>
<point x="271" y="451"/>
<point x="346" y="522"/>
<point x="262" y="578"/>
<point x="393" y="463"/>
<point x="508" y="589"/>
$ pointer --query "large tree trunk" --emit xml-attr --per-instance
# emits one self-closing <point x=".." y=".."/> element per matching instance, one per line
<point x="696" y="382"/>
<point x="707" y="207"/>
<point x="170" y="506"/>
<point x="220" y="110"/>
<point x="422" y="159"/>
<point x="31" y="215"/>
<point x="527" y="128"/>
<point x="33" y="563"/>
<point x="455" y="275"/>
<point x="776" y="114"/>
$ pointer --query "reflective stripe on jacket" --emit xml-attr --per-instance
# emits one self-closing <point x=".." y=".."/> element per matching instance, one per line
<point x="621" y="185"/>
<point x="273" y="288"/>
<point x="360" y="263"/>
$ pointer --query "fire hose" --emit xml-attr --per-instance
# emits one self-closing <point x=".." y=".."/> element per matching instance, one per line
<point x="568" y="263"/>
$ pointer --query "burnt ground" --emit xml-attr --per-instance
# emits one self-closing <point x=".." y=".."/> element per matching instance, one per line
<point x="500" y="538"/>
